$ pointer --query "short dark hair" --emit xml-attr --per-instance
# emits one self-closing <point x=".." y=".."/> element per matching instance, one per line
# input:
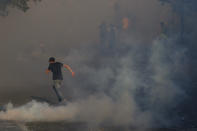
<point x="51" y="59"/>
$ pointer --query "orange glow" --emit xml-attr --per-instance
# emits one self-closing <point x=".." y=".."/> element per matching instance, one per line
<point x="125" y="23"/>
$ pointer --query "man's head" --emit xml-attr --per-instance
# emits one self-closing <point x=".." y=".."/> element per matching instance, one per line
<point x="51" y="60"/>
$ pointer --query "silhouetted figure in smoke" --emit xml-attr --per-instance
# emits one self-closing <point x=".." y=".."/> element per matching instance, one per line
<point x="117" y="7"/>
<point x="163" y="28"/>
<point x="107" y="37"/>
<point x="112" y="36"/>
<point x="56" y="69"/>
<point x="103" y="35"/>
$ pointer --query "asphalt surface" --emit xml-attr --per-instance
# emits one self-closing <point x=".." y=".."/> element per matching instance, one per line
<point x="71" y="126"/>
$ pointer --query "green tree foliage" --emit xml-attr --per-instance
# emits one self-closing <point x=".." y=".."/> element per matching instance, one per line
<point x="19" y="4"/>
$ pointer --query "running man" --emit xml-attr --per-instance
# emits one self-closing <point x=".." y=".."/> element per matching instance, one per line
<point x="56" y="69"/>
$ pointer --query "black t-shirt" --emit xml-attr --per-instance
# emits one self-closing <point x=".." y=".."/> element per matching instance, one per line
<point x="56" y="69"/>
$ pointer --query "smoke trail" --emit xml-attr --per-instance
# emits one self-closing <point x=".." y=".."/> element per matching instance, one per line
<point x="35" y="111"/>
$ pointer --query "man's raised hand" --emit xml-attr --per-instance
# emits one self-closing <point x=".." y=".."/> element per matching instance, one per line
<point x="73" y="74"/>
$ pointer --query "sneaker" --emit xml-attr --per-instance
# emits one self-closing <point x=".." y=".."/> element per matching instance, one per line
<point x="60" y="100"/>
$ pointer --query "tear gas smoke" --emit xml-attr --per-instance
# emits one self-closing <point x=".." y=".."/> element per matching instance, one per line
<point x="51" y="28"/>
<point x="120" y="91"/>
<point x="133" y="83"/>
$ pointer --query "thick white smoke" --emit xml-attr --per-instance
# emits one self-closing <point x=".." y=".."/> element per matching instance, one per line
<point x="136" y="88"/>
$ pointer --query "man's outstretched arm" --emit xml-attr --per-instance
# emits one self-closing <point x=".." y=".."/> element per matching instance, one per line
<point x="69" y="68"/>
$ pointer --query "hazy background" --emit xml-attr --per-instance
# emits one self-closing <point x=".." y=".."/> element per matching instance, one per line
<point x="144" y="79"/>
<point x="57" y="26"/>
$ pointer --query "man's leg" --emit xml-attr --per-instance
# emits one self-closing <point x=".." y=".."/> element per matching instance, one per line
<point x="56" y="88"/>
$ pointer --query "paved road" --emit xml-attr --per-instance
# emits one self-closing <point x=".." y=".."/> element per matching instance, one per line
<point x="68" y="126"/>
